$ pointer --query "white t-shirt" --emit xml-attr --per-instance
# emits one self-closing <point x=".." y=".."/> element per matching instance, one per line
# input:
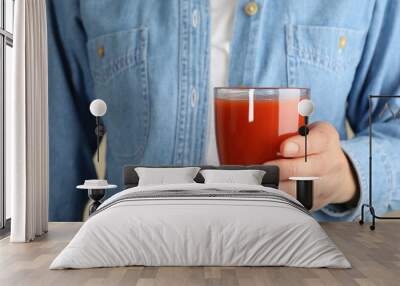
<point x="222" y="15"/>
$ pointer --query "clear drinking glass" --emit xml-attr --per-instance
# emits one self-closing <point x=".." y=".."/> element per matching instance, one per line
<point x="251" y="123"/>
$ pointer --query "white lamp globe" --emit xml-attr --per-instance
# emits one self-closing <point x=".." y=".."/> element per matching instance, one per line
<point x="98" y="107"/>
<point x="305" y="107"/>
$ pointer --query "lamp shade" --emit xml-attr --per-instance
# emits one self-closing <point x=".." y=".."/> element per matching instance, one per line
<point x="98" y="107"/>
<point x="305" y="107"/>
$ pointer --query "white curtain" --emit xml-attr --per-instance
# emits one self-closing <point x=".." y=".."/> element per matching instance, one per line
<point x="27" y="124"/>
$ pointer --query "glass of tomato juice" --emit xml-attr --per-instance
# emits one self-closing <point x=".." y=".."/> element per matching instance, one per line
<point x="252" y="122"/>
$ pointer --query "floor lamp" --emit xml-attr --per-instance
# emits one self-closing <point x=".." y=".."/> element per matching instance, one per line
<point x="370" y="205"/>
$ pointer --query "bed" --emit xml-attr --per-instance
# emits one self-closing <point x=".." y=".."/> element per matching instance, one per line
<point x="199" y="224"/>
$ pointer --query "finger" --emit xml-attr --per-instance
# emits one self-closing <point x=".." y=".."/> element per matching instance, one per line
<point x="288" y="187"/>
<point x="296" y="167"/>
<point x="319" y="138"/>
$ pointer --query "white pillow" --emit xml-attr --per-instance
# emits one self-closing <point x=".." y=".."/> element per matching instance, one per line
<point x="248" y="177"/>
<point x="164" y="176"/>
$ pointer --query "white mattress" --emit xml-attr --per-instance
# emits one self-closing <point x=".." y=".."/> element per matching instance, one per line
<point x="188" y="231"/>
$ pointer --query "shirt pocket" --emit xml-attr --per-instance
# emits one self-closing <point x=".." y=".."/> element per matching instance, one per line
<point x="118" y="64"/>
<point x="324" y="59"/>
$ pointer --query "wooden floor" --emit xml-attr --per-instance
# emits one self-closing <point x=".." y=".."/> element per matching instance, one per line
<point x="375" y="257"/>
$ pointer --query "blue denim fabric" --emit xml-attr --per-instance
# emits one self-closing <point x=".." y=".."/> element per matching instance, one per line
<point x="155" y="58"/>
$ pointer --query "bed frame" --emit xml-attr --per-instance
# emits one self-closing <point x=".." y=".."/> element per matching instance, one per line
<point x="270" y="179"/>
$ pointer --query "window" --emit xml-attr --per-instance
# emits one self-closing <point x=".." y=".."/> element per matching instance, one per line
<point x="6" y="63"/>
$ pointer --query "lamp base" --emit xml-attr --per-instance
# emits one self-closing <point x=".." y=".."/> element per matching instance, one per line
<point x="96" y="195"/>
<point x="305" y="190"/>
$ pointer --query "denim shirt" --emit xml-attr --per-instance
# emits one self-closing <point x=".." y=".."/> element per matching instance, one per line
<point x="149" y="60"/>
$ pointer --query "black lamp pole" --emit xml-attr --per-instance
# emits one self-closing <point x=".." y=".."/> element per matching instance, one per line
<point x="98" y="139"/>
<point x="303" y="131"/>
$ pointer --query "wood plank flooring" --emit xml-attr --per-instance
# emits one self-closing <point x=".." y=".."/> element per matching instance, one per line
<point x="375" y="257"/>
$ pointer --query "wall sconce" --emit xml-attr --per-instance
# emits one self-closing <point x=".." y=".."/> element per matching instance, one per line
<point x="305" y="185"/>
<point x="98" y="108"/>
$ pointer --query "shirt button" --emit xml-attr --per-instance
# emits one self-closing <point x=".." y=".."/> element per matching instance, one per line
<point x="251" y="8"/>
<point x="100" y="52"/>
<point x="195" y="18"/>
<point x="193" y="100"/>
<point x="342" y="42"/>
